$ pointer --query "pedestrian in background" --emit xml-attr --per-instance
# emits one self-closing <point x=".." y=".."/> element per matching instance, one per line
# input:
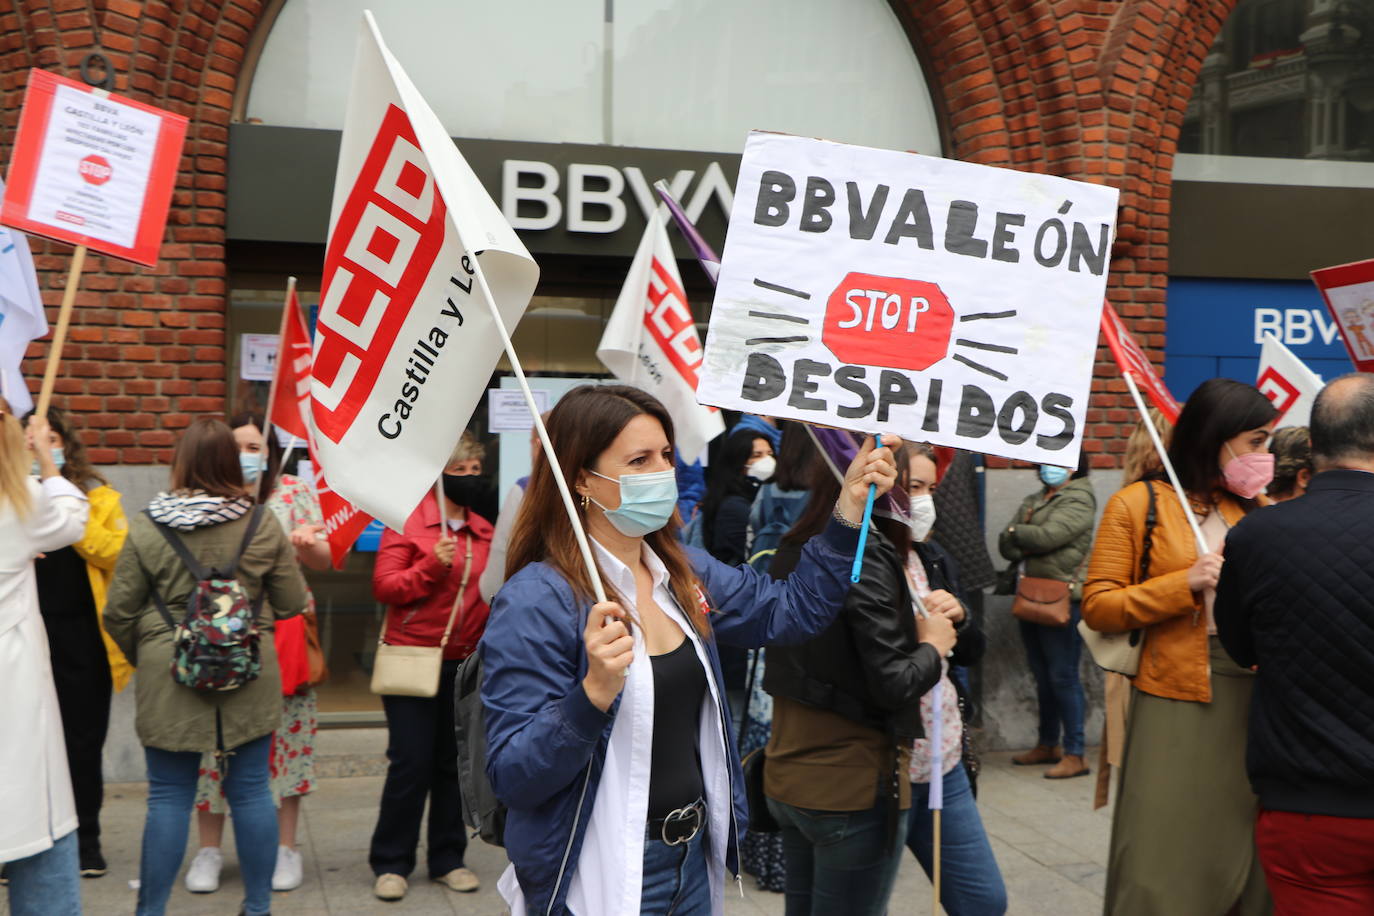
<point x="209" y="511"/>
<point x="1183" y="826"/>
<point x="846" y="707"/>
<point x="87" y="666"/>
<point x="427" y="576"/>
<point x="38" y="829"/>
<point x="1292" y="448"/>
<point x="1049" y="538"/>
<point x="1305" y="617"/>
<point x="292" y="761"/>
<point x="971" y="881"/>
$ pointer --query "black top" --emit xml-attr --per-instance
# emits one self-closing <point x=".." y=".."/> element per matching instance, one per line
<point x="679" y="688"/>
<point x="1296" y="598"/>
<point x="64" y="586"/>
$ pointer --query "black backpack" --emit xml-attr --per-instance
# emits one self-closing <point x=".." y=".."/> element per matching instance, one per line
<point x="483" y="812"/>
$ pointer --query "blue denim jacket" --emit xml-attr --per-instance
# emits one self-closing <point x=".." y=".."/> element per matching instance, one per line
<point x="546" y="742"/>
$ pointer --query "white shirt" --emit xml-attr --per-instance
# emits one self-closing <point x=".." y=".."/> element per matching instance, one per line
<point x="610" y="866"/>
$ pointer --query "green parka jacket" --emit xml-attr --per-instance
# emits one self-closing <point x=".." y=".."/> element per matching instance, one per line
<point x="176" y="718"/>
<point x="1053" y="536"/>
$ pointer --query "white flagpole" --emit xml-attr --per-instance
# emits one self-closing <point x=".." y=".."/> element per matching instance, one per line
<point x="285" y="453"/>
<point x="1202" y="547"/>
<point x="272" y="389"/>
<point x="557" y="469"/>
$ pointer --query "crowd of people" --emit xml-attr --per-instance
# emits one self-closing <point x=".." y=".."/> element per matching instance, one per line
<point x="645" y="748"/>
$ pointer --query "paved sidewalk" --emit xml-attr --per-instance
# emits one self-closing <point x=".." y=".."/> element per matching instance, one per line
<point x="1051" y="846"/>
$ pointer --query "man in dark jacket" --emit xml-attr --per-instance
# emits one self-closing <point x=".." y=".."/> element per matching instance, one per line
<point x="1296" y="598"/>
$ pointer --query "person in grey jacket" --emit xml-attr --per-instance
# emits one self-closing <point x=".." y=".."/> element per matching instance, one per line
<point x="209" y="510"/>
<point x="1049" y="538"/>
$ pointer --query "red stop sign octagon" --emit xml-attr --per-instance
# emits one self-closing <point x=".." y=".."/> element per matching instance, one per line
<point x="888" y="321"/>
<point x="95" y="169"/>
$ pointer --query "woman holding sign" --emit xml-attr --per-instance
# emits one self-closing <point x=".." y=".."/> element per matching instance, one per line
<point x="1183" y="830"/>
<point x="608" y="736"/>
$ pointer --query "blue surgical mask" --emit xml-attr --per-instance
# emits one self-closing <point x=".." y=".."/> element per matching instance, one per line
<point x="647" y="502"/>
<point x="1053" y="476"/>
<point x="252" y="465"/>
<point x="59" y="458"/>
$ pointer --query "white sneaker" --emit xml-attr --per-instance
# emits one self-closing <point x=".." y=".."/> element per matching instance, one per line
<point x="288" y="874"/>
<point x="203" y="875"/>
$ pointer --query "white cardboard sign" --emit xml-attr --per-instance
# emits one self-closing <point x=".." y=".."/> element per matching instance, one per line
<point x="947" y="302"/>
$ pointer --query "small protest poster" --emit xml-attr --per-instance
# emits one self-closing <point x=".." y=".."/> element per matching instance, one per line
<point x="258" y="357"/>
<point x="507" y="411"/>
<point x="1349" y="293"/>
<point x="92" y="168"/>
<point x="883" y="291"/>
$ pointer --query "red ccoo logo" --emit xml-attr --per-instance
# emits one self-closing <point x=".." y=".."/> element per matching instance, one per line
<point x="95" y="169"/>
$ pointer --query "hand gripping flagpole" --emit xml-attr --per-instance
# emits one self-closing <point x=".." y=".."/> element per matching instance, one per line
<point x="554" y="465"/>
<point x="1149" y="425"/>
<point x="858" y="567"/>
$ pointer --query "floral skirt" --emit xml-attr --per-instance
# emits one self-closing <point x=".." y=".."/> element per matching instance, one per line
<point x="293" y="757"/>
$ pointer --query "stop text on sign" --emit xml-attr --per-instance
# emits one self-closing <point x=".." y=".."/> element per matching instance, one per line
<point x="872" y="320"/>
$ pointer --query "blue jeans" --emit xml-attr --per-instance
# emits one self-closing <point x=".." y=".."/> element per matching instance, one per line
<point x="675" y="879"/>
<point x="839" y="861"/>
<point x="171" y="794"/>
<point x="970" y="881"/>
<point x="1053" y="653"/>
<point x="47" y="883"/>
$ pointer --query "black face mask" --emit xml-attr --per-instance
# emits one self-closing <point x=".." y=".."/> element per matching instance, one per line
<point x="464" y="489"/>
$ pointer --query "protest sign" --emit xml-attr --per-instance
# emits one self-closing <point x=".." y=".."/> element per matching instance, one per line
<point x="890" y="292"/>
<point x="651" y="341"/>
<point x="1133" y="362"/>
<point x="1349" y="293"/>
<point x="406" y="339"/>
<point x="91" y="168"/>
<point x="1287" y="382"/>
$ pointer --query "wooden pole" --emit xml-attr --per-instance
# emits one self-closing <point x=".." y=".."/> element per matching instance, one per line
<point x="935" y="861"/>
<point x="59" y="337"/>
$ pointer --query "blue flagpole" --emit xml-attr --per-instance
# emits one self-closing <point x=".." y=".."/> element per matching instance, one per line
<point x="868" y="516"/>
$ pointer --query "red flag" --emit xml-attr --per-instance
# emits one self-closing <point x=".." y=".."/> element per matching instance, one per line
<point x="343" y="521"/>
<point x="1133" y="361"/>
<point x="291" y="387"/>
<point x="1349" y="293"/>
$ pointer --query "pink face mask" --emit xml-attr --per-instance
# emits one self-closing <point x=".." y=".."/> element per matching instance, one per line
<point x="1247" y="475"/>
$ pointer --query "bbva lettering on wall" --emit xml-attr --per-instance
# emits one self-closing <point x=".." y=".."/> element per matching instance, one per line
<point x="947" y="302"/>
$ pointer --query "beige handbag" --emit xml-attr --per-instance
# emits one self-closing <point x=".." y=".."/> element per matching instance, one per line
<point x="413" y="671"/>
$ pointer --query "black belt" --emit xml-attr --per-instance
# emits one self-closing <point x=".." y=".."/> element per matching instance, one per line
<point x="680" y="825"/>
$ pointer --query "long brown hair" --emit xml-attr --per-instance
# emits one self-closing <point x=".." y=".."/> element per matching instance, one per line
<point x="76" y="466"/>
<point x="207" y="458"/>
<point x="582" y="426"/>
<point x="14" y="467"/>
<point x="825" y="492"/>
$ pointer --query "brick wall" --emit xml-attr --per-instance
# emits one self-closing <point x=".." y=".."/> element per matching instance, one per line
<point x="1087" y="89"/>
<point x="145" y="352"/>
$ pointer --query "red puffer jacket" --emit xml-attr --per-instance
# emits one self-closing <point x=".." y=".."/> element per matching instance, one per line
<point x="419" y="590"/>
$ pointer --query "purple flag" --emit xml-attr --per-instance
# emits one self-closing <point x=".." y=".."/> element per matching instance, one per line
<point x="839" y="447"/>
<point x="936" y="741"/>
<point x="709" y="260"/>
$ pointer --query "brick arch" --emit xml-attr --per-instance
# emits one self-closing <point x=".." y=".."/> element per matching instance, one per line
<point x="145" y="353"/>
<point x="1087" y="89"/>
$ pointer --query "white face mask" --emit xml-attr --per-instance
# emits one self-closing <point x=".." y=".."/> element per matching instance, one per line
<point x="762" y="469"/>
<point x="922" y="517"/>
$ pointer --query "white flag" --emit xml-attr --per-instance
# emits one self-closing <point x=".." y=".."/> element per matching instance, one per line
<point x="1286" y="380"/>
<point x="405" y="342"/>
<point x="652" y="343"/>
<point x="21" y="314"/>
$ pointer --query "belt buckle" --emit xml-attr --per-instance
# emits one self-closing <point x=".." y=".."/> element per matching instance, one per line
<point x="680" y="816"/>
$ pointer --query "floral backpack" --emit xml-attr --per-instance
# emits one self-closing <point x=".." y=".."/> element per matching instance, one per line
<point x="215" y="647"/>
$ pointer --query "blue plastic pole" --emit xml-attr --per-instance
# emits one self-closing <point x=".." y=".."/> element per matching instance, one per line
<point x="868" y="516"/>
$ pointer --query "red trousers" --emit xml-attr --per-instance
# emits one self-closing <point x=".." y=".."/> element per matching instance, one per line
<point x="1317" y="865"/>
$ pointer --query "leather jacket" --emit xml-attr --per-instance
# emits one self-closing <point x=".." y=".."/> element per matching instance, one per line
<point x="868" y="665"/>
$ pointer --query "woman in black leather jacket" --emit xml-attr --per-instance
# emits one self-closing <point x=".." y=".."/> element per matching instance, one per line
<point x="846" y="707"/>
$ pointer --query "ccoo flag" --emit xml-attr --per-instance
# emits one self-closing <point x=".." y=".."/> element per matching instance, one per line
<point x="405" y="341"/>
<point x="1130" y="359"/>
<point x="1286" y="380"/>
<point x="651" y="341"/>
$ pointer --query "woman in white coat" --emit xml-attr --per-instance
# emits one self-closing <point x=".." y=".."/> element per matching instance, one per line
<point x="38" y="830"/>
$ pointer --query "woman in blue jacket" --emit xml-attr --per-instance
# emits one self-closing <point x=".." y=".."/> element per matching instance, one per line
<point x="608" y="737"/>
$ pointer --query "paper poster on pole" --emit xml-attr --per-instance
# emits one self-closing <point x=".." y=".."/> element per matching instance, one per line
<point x="883" y="291"/>
<point x="405" y="342"/>
<point x="92" y="168"/>
<point x="1349" y="293"/>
